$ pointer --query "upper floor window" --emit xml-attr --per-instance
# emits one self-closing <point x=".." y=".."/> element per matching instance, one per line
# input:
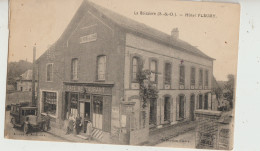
<point x="200" y="77"/>
<point x="182" y="75"/>
<point x="167" y="73"/>
<point x="192" y="78"/>
<point x="49" y="72"/>
<point x="153" y="68"/>
<point x="135" y="68"/>
<point x="206" y="78"/>
<point x="74" y="68"/>
<point x="101" y="67"/>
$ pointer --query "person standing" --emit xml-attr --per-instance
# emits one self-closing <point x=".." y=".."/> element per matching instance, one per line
<point x="89" y="130"/>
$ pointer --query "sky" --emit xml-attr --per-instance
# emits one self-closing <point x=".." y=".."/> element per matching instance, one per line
<point x="41" y="22"/>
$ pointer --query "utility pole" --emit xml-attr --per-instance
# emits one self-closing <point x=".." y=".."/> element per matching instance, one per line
<point x="33" y="77"/>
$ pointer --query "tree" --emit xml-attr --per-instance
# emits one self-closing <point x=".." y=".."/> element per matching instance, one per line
<point x="147" y="90"/>
<point x="229" y="89"/>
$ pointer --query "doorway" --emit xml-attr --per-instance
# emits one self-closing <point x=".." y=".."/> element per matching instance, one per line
<point x="200" y="101"/>
<point x="167" y="109"/>
<point x="152" y="118"/>
<point x="192" y="107"/>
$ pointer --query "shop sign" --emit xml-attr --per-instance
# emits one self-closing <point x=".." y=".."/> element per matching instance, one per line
<point x="88" y="89"/>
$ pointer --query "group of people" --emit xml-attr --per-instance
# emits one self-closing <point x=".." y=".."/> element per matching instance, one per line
<point x="78" y="124"/>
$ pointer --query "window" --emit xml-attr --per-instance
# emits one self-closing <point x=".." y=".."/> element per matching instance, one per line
<point x="167" y="73"/>
<point x="74" y="68"/>
<point x="97" y="111"/>
<point x="182" y="75"/>
<point x="192" y="78"/>
<point x="101" y="67"/>
<point x="49" y="102"/>
<point x="49" y="72"/>
<point x="206" y="78"/>
<point x="153" y="68"/>
<point x="200" y="77"/>
<point x="135" y="68"/>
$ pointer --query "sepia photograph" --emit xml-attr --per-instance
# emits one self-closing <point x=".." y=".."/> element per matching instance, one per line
<point x="144" y="73"/>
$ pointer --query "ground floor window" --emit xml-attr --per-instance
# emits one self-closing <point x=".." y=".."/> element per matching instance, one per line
<point x="98" y="111"/>
<point x="50" y="102"/>
<point x="74" y="99"/>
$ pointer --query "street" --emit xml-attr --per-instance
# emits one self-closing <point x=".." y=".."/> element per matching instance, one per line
<point x="17" y="133"/>
<point x="186" y="140"/>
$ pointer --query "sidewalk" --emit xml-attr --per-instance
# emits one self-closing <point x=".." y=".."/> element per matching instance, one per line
<point x="169" y="132"/>
<point x="68" y="137"/>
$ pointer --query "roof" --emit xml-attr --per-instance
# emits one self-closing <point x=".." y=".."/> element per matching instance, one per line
<point x="130" y="25"/>
<point x="147" y="30"/>
<point x="26" y="76"/>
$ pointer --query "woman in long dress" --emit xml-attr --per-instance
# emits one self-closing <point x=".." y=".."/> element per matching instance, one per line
<point x="89" y="130"/>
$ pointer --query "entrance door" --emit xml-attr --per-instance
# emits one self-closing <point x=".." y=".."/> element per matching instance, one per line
<point x="87" y="109"/>
<point x="192" y="107"/>
<point x="153" y="105"/>
<point x="167" y="109"/>
<point x="200" y="101"/>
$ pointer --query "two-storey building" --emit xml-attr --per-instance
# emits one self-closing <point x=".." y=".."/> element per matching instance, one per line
<point x="92" y="70"/>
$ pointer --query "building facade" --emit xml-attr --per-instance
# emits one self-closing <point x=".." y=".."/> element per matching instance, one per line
<point x="24" y="82"/>
<point x="92" y="68"/>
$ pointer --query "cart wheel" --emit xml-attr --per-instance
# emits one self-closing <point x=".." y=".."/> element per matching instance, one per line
<point x="13" y="122"/>
<point x="25" y="128"/>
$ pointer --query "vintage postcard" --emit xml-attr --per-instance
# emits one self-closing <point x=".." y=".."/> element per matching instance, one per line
<point x="149" y="73"/>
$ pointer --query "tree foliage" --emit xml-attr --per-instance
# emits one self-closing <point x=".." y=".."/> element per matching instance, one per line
<point x="229" y="89"/>
<point x="15" y="69"/>
<point x="147" y="89"/>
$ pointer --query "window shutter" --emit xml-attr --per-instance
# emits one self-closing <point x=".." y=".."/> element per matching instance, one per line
<point x="107" y="113"/>
<point x="177" y="108"/>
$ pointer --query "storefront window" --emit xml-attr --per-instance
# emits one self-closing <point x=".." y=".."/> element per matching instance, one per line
<point x="74" y="104"/>
<point x="50" y="102"/>
<point x="97" y="111"/>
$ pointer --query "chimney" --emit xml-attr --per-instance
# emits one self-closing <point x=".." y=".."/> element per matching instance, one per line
<point x="175" y="33"/>
<point x="33" y="78"/>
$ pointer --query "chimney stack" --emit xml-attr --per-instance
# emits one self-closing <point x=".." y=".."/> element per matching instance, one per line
<point x="175" y="33"/>
<point x="33" y="78"/>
